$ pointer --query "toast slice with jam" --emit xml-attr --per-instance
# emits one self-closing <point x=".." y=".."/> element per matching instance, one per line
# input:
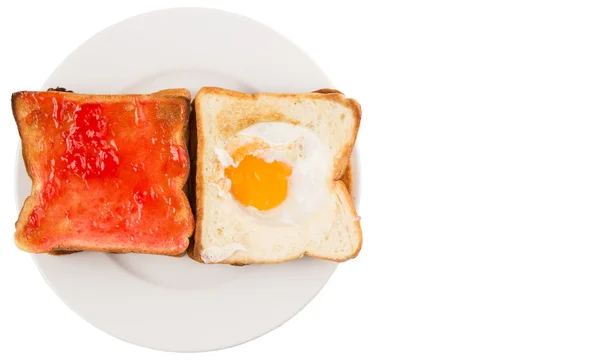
<point x="108" y="172"/>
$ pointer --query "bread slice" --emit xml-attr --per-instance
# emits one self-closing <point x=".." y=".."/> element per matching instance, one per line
<point x="225" y="232"/>
<point x="108" y="172"/>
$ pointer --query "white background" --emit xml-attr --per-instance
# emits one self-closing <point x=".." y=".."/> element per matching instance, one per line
<point x="481" y="180"/>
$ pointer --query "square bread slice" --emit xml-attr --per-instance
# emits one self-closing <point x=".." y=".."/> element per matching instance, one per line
<point x="322" y="223"/>
<point x="108" y="172"/>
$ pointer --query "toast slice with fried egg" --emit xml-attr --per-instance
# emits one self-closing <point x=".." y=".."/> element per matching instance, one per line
<point x="271" y="177"/>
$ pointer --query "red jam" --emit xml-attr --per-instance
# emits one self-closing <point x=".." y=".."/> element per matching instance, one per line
<point x="111" y="172"/>
<point x="88" y="152"/>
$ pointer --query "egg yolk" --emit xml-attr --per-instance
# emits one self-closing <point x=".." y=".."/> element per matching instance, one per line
<point x="257" y="183"/>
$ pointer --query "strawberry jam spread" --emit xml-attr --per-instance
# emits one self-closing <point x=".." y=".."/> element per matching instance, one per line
<point x="110" y="173"/>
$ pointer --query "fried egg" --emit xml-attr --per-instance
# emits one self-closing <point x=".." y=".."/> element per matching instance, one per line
<point x="275" y="172"/>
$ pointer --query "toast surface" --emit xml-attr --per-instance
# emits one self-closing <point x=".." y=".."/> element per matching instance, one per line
<point x="224" y="234"/>
<point x="108" y="172"/>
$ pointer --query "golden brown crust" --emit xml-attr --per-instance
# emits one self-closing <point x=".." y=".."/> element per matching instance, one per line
<point x="329" y="94"/>
<point x="174" y="92"/>
<point x="105" y="98"/>
<point x="21" y="109"/>
<point x="184" y="180"/>
<point x="328" y="91"/>
<point x="62" y="252"/>
<point x="341" y="163"/>
<point x="59" y="252"/>
<point x="66" y="250"/>
<point x="343" y="170"/>
<point x="195" y="244"/>
<point x="347" y="176"/>
<point x="192" y="193"/>
<point x="258" y="262"/>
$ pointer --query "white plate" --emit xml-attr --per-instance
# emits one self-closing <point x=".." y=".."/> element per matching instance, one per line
<point x="176" y="304"/>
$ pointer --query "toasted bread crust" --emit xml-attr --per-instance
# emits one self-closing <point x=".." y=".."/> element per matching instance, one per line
<point x="195" y="244"/>
<point x="347" y="178"/>
<point x="327" y="91"/>
<point x="63" y="250"/>
<point x="343" y="169"/>
<point x="174" y="92"/>
<point x="20" y="110"/>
